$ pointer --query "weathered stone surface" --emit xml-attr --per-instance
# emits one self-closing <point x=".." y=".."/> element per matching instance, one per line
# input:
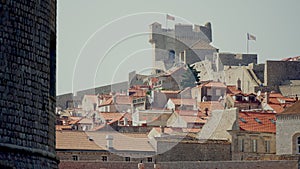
<point x="27" y="83"/>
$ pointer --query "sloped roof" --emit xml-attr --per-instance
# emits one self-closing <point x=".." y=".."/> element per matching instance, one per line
<point x="190" y="102"/>
<point x="74" y="140"/>
<point x="211" y="106"/>
<point x="294" y="109"/>
<point x="233" y="90"/>
<point x="257" y="122"/>
<point x="193" y="119"/>
<point x="202" y="45"/>
<point x="123" y="141"/>
<point x="214" y="84"/>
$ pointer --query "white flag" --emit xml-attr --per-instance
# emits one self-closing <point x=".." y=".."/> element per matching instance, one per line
<point x="169" y="17"/>
<point x="251" y="37"/>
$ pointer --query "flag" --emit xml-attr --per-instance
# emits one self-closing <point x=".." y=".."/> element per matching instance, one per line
<point x="251" y="37"/>
<point x="169" y="17"/>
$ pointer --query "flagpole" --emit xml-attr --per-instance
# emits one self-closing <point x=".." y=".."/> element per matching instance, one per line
<point x="167" y="21"/>
<point x="247" y="43"/>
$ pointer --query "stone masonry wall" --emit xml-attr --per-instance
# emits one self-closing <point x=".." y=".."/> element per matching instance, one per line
<point x="27" y="83"/>
<point x="293" y="164"/>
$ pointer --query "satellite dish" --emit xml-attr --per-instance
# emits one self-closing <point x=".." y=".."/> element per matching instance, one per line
<point x="259" y="93"/>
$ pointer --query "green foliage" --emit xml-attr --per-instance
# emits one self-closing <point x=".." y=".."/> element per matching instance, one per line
<point x="191" y="77"/>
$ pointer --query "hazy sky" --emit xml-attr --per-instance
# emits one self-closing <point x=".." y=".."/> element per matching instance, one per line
<point x="99" y="42"/>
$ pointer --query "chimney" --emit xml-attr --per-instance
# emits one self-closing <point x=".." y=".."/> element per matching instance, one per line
<point x="239" y="84"/>
<point x="141" y="165"/>
<point x="156" y="166"/>
<point x="267" y="97"/>
<point x="109" y="141"/>
<point x="162" y="130"/>
<point x="125" y="121"/>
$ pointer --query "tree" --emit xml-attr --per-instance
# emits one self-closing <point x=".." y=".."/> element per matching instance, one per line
<point x="191" y="77"/>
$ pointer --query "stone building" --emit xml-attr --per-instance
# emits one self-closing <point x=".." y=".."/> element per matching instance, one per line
<point x="183" y="44"/>
<point x="254" y="135"/>
<point x="103" y="146"/>
<point x="28" y="84"/>
<point x="288" y="131"/>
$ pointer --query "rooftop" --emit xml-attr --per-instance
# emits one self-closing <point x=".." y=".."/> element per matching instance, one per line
<point x="294" y="109"/>
<point x="257" y="122"/>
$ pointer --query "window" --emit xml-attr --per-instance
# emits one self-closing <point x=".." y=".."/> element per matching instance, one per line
<point x="267" y="146"/>
<point x="254" y="146"/>
<point x="241" y="145"/>
<point x="75" y="158"/>
<point x="127" y="158"/>
<point x="104" y="158"/>
<point x="298" y="145"/>
<point x="171" y="54"/>
<point x="149" y="159"/>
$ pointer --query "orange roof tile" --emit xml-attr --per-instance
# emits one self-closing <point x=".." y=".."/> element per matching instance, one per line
<point x="75" y="140"/>
<point x="210" y="105"/>
<point x="193" y="119"/>
<point x="265" y="122"/>
<point x="233" y="90"/>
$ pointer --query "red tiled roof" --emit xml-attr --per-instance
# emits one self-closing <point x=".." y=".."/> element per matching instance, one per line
<point x="111" y="116"/>
<point x="233" y="90"/>
<point x="210" y="105"/>
<point x="213" y="84"/>
<point x="265" y="122"/>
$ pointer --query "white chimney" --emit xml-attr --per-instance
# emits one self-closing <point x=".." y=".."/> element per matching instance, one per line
<point x="125" y="121"/>
<point x="109" y="141"/>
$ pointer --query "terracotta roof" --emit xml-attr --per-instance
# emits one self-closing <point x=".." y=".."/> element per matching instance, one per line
<point x="210" y="105"/>
<point x="294" y="109"/>
<point x="63" y="127"/>
<point x="183" y="101"/>
<point x="122" y="141"/>
<point x="233" y="90"/>
<point x="107" y="102"/>
<point x="296" y="58"/>
<point x="74" y="140"/>
<point x="257" y="122"/>
<point x="193" y="119"/>
<point x="111" y="117"/>
<point x="213" y="84"/>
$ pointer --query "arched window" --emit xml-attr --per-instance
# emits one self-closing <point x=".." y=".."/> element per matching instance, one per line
<point x="171" y="54"/>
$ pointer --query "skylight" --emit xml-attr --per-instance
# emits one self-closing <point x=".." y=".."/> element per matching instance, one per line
<point x="272" y="121"/>
<point x="243" y="120"/>
<point x="257" y="120"/>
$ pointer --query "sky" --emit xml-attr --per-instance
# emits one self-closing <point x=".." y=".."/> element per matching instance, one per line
<point x="100" y="42"/>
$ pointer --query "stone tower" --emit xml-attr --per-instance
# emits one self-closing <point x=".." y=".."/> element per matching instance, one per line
<point x="27" y="83"/>
<point x="184" y="43"/>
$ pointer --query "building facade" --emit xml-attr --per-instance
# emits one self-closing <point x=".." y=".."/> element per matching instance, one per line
<point x="28" y="84"/>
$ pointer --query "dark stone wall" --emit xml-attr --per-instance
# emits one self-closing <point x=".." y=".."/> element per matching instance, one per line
<point x="27" y="83"/>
